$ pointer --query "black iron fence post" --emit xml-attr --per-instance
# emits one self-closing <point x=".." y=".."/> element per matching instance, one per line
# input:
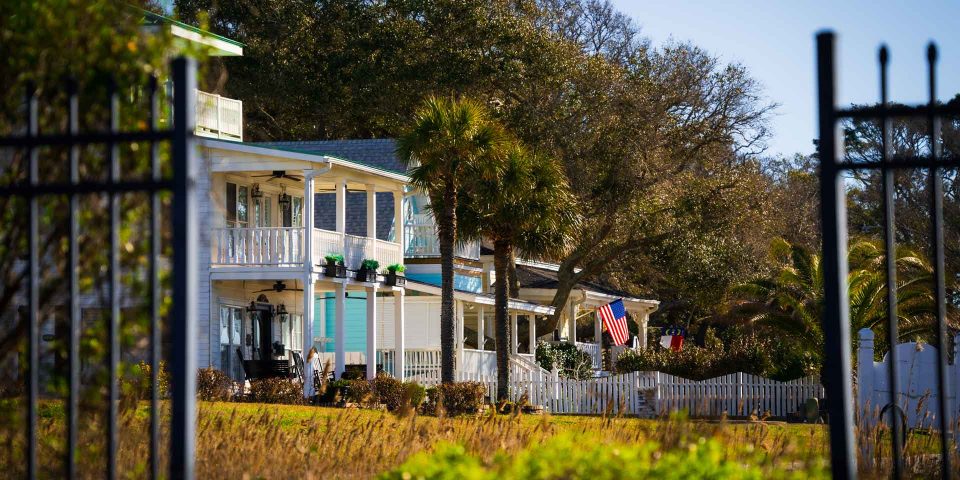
<point x="184" y="312"/>
<point x="836" y="319"/>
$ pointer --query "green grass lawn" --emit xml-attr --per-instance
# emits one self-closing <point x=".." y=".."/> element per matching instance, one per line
<point x="288" y="441"/>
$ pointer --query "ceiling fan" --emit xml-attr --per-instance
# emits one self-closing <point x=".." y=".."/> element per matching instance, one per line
<point x="276" y="174"/>
<point x="278" y="287"/>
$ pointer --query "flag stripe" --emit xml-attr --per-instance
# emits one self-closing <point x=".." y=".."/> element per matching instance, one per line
<point x="613" y="316"/>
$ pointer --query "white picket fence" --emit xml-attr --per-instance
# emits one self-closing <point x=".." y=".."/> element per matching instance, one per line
<point x="655" y="393"/>
<point x="736" y="394"/>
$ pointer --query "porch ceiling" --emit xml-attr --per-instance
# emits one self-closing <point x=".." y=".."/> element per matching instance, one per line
<point x="480" y="298"/>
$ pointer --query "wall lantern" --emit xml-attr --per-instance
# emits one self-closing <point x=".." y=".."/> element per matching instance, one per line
<point x="256" y="193"/>
<point x="284" y="200"/>
<point x="282" y="313"/>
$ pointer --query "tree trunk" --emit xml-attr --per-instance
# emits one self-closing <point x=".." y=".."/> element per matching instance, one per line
<point x="446" y="231"/>
<point x="501" y="258"/>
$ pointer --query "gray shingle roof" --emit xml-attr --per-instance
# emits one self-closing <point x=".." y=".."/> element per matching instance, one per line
<point x="374" y="152"/>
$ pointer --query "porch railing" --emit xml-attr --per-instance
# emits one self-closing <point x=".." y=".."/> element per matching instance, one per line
<point x="596" y="355"/>
<point x="354" y="248"/>
<point x="422" y="365"/>
<point x="421" y="239"/>
<point x="258" y="246"/>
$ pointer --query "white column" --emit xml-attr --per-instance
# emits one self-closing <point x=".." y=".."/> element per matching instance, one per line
<point x="865" y="378"/>
<point x="371" y="211"/>
<point x="398" y="217"/>
<point x="340" y="356"/>
<point x="399" y="343"/>
<point x="341" y="207"/>
<point x="597" y="329"/>
<point x="532" y="340"/>
<point x="308" y="262"/>
<point x="459" y="339"/>
<point x="371" y="332"/>
<point x="513" y="333"/>
<point x="480" y="327"/>
<point x="644" y="321"/>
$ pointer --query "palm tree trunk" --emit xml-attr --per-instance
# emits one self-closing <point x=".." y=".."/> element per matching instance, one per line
<point x="501" y="258"/>
<point x="446" y="231"/>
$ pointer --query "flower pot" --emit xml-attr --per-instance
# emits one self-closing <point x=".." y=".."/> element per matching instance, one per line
<point x="335" y="270"/>
<point x="364" y="275"/>
<point x="395" y="279"/>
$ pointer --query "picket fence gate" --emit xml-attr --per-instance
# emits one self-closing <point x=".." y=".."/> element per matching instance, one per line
<point x="652" y="394"/>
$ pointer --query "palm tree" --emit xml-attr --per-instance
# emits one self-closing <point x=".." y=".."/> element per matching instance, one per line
<point x="447" y="138"/>
<point x="528" y="208"/>
<point x="791" y="299"/>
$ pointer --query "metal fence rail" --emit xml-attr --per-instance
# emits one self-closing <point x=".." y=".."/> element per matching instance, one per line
<point x="182" y="315"/>
<point x="834" y="224"/>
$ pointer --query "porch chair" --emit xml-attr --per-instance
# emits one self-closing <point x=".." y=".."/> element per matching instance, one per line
<point x="298" y="365"/>
<point x="246" y="372"/>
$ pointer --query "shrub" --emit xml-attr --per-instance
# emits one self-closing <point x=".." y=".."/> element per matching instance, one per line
<point x="334" y="258"/>
<point x="396" y="268"/>
<point x="370" y="264"/>
<point x="213" y="385"/>
<point x="415" y="394"/>
<point x="746" y="353"/>
<point x="569" y="360"/>
<point x="456" y="398"/>
<point x="334" y="391"/>
<point x="361" y="392"/>
<point x="571" y="456"/>
<point x="276" y="390"/>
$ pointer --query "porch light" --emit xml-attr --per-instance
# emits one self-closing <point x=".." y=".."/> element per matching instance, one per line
<point x="256" y="193"/>
<point x="284" y="200"/>
<point x="282" y="313"/>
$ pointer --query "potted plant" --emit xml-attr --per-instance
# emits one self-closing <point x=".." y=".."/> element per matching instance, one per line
<point x="334" y="267"/>
<point x="368" y="271"/>
<point x="395" y="275"/>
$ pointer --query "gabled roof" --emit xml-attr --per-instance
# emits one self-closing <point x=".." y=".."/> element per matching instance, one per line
<point x="543" y="277"/>
<point x="374" y="152"/>
<point x="222" y="46"/>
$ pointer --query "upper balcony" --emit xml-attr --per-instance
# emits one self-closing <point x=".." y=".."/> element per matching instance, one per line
<point x="420" y="234"/>
<point x="219" y="117"/>
<point x="281" y="209"/>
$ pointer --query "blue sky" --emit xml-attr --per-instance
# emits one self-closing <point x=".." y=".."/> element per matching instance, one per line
<point x="774" y="39"/>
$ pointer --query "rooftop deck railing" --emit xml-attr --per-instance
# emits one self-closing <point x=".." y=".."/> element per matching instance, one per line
<point x="219" y="117"/>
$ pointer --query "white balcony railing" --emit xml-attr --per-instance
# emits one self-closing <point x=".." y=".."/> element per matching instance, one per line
<point x="281" y="246"/>
<point x="284" y="246"/>
<point x="219" y="117"/>
<point x="420" y="234"/>
<point x="354" y="249"/>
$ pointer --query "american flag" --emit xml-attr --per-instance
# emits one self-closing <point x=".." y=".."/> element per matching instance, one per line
<point x="614" y="318"/>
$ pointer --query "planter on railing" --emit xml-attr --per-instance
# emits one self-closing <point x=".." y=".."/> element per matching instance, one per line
<point x="334" y="267"/>
<point x="368" y="271"/>
<point x="394" y="275"/>
<point x="394" y="279"/>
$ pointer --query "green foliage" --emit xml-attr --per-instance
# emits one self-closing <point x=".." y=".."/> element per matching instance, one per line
<point x="334" y="391"/>
<point x="276" y="390"/>
<point x="764" y="356"/>
<point x="141" y="384"/>
<point x="567" y="358"/>
<point x="457" y="398"/>
<point x="396" y="268"/>
<point x="214" y="385"/>
<point x="789" y="302"/>
<point x="334" y="258"/>
<point x="370" y="264"/>
<point x="570" y="456"/>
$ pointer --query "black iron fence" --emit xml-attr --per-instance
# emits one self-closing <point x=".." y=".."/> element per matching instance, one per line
<point x="833" y="187"/>
<point x="181" y="317"/>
